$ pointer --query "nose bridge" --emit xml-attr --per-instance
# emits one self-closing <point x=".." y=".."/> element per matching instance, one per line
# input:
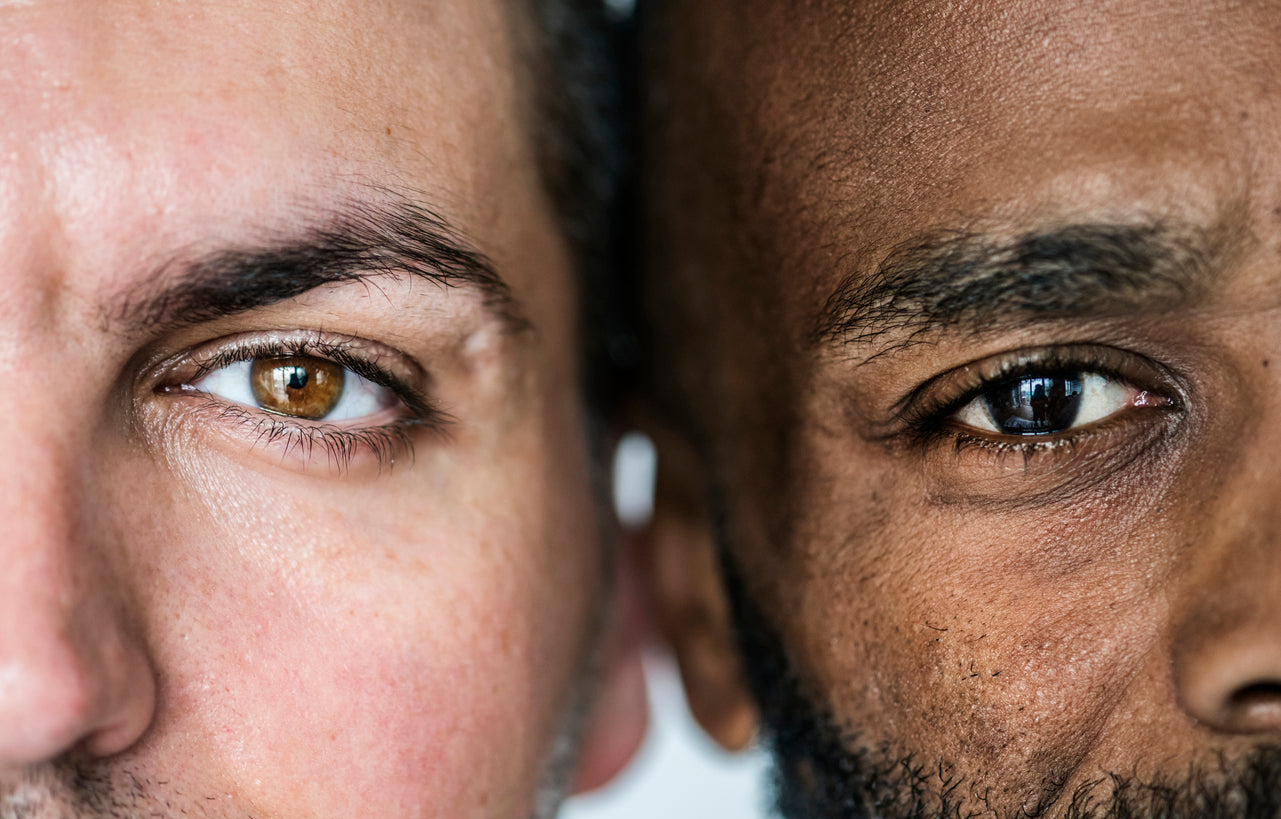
<point x="1227" y="640"/>
<point x="73" y="672"/>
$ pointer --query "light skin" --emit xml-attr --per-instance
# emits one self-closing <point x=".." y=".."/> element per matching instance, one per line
<point x="877" y="218"/>
<point x="397" y="608"/>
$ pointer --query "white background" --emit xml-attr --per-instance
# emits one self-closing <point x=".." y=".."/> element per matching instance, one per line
<point x="679" y="773"/>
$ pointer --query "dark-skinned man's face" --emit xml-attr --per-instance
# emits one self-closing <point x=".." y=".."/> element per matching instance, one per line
<point x="980" y="344"/>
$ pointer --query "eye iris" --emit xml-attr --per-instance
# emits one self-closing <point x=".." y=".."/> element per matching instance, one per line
<point x="300" y="386"/>
<point x="1037" y="405"/>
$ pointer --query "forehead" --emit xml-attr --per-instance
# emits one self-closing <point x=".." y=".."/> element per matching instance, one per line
<point x="893" y="115"/>
<point x="120" y="108"/>
<point x="369" y="56"/>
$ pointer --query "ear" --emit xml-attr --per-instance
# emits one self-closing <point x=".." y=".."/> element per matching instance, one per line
<point x="677" y="553"/>
<point x="620" y="711"/>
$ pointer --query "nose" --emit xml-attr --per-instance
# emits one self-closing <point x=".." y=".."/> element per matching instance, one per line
<point x="1227" y="652"/>
<point x="1233" y="684"/>
<point x="74" y="676"/>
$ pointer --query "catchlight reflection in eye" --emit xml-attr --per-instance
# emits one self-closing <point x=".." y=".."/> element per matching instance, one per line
<point x="299" y="386"/>
<point x="1046" y="404"/>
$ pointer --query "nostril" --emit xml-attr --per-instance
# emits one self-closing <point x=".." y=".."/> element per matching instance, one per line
<point x="1257" y="694"/>
<point x="1233" y="682"/>
<point x="1254" y="707"/>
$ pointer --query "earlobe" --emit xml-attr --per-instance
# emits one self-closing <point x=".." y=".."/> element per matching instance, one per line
<point x="619" y="714"/>
<point x="678" y="558"/>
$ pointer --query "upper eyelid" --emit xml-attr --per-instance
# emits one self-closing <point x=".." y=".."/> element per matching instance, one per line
<point x="337" y="351"/>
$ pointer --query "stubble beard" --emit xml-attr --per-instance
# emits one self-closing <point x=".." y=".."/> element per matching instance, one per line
<point x="821" y="772"/>
<point x="68" y="789"/>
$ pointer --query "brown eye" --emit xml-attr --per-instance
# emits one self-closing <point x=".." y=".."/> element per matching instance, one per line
<point x="300" y="386"/>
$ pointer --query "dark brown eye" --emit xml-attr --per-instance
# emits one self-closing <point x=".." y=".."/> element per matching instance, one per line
<point x="299" y="386"/>
<point x="1036" y="405"/>
<point x="1049" y="403"/>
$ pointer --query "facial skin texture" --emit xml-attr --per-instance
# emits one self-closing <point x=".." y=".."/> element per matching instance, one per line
<point x="209" y="610"/>
<point x="866" y="218"/>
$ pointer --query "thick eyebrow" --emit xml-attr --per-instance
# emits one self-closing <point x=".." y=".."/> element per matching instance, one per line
<point x="358" y="241"/>
<point x="955" y="280"/>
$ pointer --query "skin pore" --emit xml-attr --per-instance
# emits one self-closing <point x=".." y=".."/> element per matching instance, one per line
<point x="879" y="225"/>
<point x="386" y="598"/>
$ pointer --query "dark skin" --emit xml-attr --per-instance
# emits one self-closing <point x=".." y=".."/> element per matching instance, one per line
<point x="877" y="217"/>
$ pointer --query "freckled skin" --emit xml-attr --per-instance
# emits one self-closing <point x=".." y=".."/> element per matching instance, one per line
<point x="195" y="619"/>
<point x="1027" y="622"/>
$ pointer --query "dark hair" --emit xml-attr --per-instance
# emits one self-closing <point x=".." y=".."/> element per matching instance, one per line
<point x="578" y="136"/>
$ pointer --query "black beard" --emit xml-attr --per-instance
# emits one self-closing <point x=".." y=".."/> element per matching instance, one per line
<point x="819" y="774"/>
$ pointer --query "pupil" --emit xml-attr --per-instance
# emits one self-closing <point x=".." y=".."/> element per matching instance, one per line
<point x="296" y="378"/>
<point x="1038" y="405"/>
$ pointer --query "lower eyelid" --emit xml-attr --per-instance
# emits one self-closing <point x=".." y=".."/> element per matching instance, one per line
<point x="303" y="445"/>
<point x="964" y="467"/>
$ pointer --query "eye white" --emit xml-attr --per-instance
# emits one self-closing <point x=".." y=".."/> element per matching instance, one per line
<point x="1101" y="396"/>
<point x="360" y="396"/>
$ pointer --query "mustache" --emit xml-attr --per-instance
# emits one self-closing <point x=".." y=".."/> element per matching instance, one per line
<point x="1249" y="788"/>
<point x="68" y="789"/>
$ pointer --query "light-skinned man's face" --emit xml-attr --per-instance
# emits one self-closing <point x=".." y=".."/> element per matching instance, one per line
<point x="986" y="308"/>
<point x="298" y="516"/>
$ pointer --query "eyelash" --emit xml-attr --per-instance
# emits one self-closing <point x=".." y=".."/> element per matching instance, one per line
<point x="384" y="442"/>
<point x="926" y="419"/>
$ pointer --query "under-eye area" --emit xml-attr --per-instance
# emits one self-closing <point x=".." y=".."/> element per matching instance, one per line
<point x="1035" y="421"/>
<point x="307" y="396"/>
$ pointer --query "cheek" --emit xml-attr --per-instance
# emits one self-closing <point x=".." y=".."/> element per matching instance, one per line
<point x="357" y="713"/>
<point x="997" y="642"/>
<point x="416" y="668"/>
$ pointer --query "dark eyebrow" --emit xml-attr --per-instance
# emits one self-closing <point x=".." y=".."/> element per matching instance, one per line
<point x="358" y="241"/>
<point x="973" y="282"/>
